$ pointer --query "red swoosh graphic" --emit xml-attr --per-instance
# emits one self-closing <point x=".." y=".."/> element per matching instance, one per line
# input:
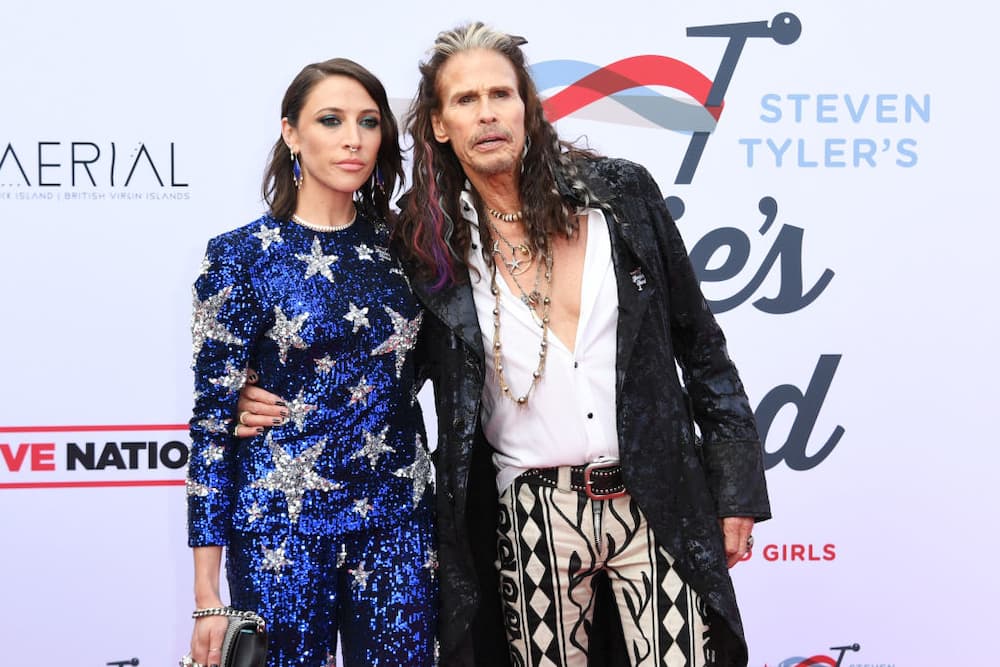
<point x="631" y="73"/>
<point x="817" y="660"/>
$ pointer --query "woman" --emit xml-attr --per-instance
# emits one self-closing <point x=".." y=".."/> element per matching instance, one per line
<point x="326" y="520"/>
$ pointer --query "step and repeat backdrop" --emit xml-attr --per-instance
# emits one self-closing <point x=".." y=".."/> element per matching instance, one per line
<point x="829" y="171"/>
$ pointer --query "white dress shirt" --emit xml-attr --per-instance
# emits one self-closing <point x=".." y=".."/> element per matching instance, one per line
<point x="569" y="418"/>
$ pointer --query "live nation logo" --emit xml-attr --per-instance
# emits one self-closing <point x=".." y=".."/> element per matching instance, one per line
<point x="91" y="170"/>
<point x="93" y="456"/>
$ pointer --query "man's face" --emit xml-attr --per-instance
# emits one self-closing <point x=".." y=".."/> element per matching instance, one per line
<point x="481" y="114"/>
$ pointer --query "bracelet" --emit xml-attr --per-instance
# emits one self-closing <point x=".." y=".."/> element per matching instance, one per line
<point x="229" y="611"/>
<point x="212" y="611"/>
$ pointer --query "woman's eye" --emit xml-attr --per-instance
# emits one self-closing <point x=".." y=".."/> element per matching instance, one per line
<point x="370" y="122"/>
<point x="329" y="121"/>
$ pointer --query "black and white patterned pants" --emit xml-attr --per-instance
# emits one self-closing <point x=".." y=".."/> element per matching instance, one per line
<point x="551" y="543"/>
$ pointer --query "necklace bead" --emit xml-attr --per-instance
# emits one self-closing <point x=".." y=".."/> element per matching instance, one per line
<point x="505" y="217"/>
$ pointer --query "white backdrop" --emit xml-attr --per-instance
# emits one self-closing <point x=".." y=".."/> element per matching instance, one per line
<point x="131" y="134"/>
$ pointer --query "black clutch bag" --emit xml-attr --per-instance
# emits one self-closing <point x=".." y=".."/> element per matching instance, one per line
<point x="245" y="642"/>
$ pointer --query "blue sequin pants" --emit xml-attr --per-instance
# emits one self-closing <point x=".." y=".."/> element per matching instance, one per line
<point x="378" y="589"/>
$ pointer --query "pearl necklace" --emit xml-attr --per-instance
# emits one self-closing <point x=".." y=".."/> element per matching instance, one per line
<point x="506" y="217"/>
<point x="324" y="228"/>
<point x="536" y="375"/>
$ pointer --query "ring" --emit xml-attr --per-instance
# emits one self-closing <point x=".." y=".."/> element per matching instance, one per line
<point x="242" y="415"/>
<point x="750" y="542"/>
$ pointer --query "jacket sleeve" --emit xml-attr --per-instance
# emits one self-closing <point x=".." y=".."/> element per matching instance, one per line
<point x="223" y="328"/>
<point x="731" y="451"/>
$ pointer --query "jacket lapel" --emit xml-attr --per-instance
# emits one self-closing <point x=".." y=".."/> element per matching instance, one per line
<point x="455" y="307"/>
<point x="634" y="290"/>
<point x="632" y="244"/>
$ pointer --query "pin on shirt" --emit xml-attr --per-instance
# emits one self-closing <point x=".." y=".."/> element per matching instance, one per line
<point x="639" y="278"/>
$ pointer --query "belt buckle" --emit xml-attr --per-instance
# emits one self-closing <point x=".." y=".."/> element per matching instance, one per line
<point x="588" y="483"/>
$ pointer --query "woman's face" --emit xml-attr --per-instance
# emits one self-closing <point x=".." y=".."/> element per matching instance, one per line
<point x="338" y="136"/>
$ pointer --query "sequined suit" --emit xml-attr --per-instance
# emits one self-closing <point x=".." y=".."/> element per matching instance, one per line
<point x="328" y="518"/>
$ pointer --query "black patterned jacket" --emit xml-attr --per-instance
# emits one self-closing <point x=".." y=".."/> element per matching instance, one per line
<point x="682" y="483"/>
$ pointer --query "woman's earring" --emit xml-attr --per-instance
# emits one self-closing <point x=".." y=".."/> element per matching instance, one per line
<point x="379" y="182"/>
<point x="296" y="169"/>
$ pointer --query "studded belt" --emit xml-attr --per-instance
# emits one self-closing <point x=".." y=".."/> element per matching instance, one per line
<point x="598" y="480"/>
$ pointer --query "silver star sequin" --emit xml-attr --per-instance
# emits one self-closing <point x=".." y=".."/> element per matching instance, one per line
<point x="274" y="560"/>
<point x="431" y="562"/>
<point x="233" y="380"/>
<point x="317" y="262"/>
<point x="206" y="264"/>
<point x="285" y="333"/>
<point x="360" y="575"/>
<point x="402" y="339"/>
<point x="358" y="317"/>
<point x="298" y="409"/>
<point x="374" y="447"/>
<point x="193" y="488"/>
<point x="399" y="272"/>
<point x="362" y="507"/>
<point x="268" y="236"/>
<point x="419" y="471"/>
<point x="214" y="424"/>
<point x="360" y="391"/>
<point x="294" y="476"/>
<point x="383" y="253"/>
<point x="254" y="513"/>
<point x="364" y="252"/>
<point x="205" y="325"/>
<point x="212" y="454"/>
<point x="324" y="364"/>
<point x="342" y="555"/>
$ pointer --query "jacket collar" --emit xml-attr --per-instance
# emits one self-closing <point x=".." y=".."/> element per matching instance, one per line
<point x="454" y="305"/>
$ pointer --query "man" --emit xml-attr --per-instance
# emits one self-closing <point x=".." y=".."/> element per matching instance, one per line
<point x="560" y="301"/>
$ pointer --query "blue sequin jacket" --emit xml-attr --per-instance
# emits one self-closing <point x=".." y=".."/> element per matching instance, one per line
<point x="328" y="321"/>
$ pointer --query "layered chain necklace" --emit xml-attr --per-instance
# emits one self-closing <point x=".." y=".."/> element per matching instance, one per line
<point x="531" y="300"/>
<point x="515" y="266"/>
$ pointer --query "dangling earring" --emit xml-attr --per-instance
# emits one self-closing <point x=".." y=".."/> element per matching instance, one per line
<point x="296" y="169"/>
<point x="377" y="180"/>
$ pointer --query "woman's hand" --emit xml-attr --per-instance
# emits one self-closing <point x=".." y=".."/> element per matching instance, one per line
<point x="257" y="409"/>
<point x="206" y="640"/>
